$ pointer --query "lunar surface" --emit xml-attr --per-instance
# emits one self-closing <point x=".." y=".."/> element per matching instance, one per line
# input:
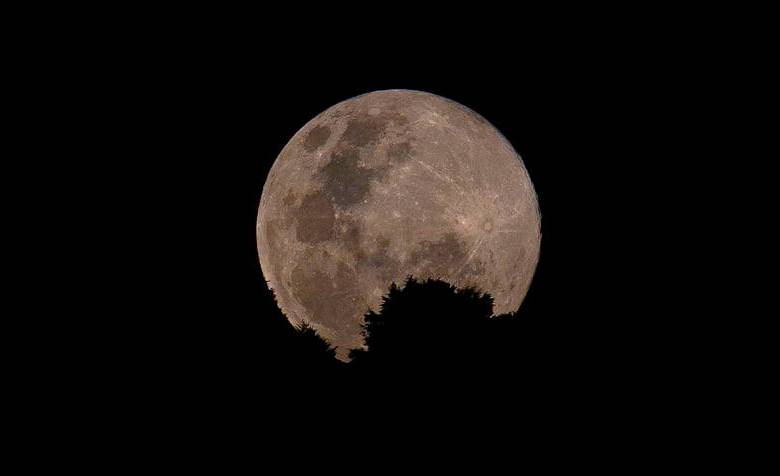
<point x="387" y="185"/>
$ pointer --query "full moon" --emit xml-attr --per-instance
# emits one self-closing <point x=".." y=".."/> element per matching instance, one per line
<point x="387" y="185"/>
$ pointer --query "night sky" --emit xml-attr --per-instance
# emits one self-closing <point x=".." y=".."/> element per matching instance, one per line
<point x="202" y="126"/>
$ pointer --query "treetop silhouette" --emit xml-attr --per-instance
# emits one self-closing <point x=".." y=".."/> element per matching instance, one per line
<point x="427" y="322"/>
<point x="427" y="325"/>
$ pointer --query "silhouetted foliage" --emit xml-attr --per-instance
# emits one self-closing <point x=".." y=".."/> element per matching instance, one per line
<point x="310" y="342"/>
<point x="423" y="328"/>
<point x="429" y="325"/>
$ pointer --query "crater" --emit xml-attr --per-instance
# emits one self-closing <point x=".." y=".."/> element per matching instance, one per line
<point x="475" y="268"/>
<point x="316" y="138"/>
<point x="315" y="218"/>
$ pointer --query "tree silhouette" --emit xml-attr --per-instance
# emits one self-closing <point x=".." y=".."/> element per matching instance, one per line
<point x="422" y="328"/>
<point x="308" y="355"/>
<point x="427" y="325"/>
<point x="309" y="342"/>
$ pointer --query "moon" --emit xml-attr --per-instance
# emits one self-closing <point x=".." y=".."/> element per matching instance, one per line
<point x="387" y="185"/>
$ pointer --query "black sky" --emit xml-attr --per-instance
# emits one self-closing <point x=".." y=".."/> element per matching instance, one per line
<point x="192" y="124"/>
<point x="151" y="133"/>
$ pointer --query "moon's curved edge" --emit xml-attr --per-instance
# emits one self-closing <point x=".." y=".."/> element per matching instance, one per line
<point x="258" y="228"/>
